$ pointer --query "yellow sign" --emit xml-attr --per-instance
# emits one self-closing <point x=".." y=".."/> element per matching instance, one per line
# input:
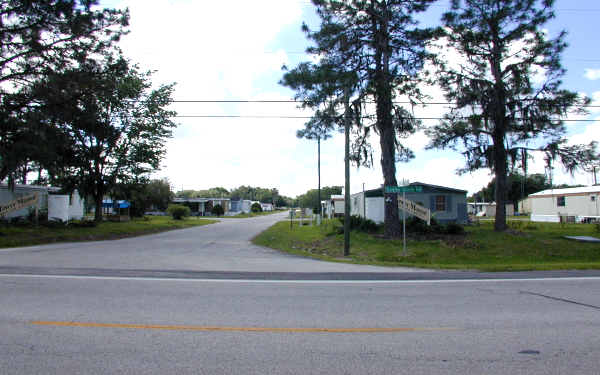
<point x="414" y="209"/>
<point x="19" y="203"/>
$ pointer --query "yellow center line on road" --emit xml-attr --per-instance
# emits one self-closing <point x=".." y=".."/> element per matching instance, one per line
<point x="235" y="329"/>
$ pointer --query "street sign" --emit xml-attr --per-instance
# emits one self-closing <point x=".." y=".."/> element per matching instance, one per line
<point x="415" y="209"/>
<point x="403" y="189"/>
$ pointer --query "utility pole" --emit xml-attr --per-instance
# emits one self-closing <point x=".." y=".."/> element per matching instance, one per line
<point x="347" y="120"/>
<point x="319" y="173"/>
<point x="364" y="203"/>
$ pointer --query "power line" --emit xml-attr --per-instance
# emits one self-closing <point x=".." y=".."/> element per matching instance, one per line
<point x="302" y="101"/>
<point x="309" y="117"/>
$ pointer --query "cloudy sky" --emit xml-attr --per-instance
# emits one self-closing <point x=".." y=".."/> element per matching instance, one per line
<point x="234" y="50"/>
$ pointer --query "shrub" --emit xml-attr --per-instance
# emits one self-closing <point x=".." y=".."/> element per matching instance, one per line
<point x="83" y="223"/>
<point x="454" y="228"/>
<point x="256" y="207"/>
<point x="361" y="224"/>
<point x="178" y="211"/>
<point x="416" y="225"/>
<point x="217" y="210"/>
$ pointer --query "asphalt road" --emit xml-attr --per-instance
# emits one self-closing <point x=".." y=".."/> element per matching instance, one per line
<point x="83" y="325"/>
<point x="224" y="246"/>
<point x="205" y="301"/>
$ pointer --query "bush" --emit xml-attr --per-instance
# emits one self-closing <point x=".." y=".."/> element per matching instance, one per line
<point x="256" y="207"/>
<point x="218" y="210"/>
<point x="361" y="224"/>
<point x="178" y="211"/>
<point x="83" y="223"/>
<point x="455" y="229"/>
<point x="416" y="225"/>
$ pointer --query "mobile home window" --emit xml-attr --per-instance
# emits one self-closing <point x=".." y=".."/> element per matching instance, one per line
<point x="593" y="198"/>
<point x="560" y="201"/>
<point x="440" y="203"/>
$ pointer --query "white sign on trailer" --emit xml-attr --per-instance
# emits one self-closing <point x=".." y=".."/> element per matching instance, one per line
<point x="19" y="203"/>
<point x="414" y="209"/>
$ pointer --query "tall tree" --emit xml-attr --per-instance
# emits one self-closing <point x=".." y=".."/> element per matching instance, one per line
<point x="501" y="110"/>
<point x="38" y="37"/>
<point x="114" y="125"/>
<point x="380" y="43"/>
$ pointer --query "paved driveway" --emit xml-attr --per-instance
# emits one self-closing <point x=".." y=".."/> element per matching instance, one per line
<point x="224" y="246"/>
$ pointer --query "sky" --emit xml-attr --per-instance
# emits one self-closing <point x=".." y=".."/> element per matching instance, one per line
<point x="234" y="50"/>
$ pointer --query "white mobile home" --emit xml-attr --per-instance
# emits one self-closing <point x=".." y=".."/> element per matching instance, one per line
<point x="8" y="195"/>
<point x="59" y="207"/>
<point x="573" y="204"/>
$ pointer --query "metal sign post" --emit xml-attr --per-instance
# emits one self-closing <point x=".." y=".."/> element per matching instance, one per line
<point x="404" y="225"/>
<point x="413" y="208"/>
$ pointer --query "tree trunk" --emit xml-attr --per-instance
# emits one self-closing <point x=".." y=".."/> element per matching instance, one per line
<point x="388" y="167"/>
<point x="500" y="169"/>
<point x="347" y="177"/>
<point x="98" y="213"/>
<point x="319" y="173"/>
<point x="385" y="125"/>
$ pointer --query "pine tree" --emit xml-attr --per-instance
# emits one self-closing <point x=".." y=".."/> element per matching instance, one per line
<point x="377" y="42"/>
<point x="502" y="112"/>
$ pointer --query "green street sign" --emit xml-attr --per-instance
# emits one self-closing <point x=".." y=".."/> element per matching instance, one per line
<point x="403" y="189"/>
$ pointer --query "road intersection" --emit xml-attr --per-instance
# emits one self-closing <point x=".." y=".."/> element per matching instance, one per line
<point x="206" y="301"/>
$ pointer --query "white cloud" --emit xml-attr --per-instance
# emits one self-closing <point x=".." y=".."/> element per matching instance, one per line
<point x="592" y="74"/>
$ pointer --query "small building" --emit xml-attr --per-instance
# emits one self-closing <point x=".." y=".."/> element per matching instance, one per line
<point x="478" y="208"/>
<point x="578" y="204"/>
<point x="490" y="210"/>
<point x="266" y="207"/>
<point x="239" y="206"/>
<point x="203" y="206"/>
<point x="65" y="207"/>
<point x="116" y="209"/>
<point x="333" y="207"/>
<point x="446" y="204"/>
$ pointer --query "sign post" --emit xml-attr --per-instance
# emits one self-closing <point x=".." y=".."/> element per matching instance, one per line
<point x="404" y="225"/>
<point x="410" y="206"/>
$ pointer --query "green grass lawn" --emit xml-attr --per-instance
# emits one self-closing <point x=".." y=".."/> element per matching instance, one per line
<point x="12" y="236"/>
<point x="527" y="246"/>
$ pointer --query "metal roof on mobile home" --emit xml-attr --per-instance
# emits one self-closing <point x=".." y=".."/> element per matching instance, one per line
<point x="583" y="190"/>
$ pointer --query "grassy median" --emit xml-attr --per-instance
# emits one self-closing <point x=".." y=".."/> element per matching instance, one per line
<point x="526" y="246"/>
<point x="27" y="234"/>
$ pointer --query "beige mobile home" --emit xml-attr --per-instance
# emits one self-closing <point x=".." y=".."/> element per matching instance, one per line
<point x="573" y="204"/>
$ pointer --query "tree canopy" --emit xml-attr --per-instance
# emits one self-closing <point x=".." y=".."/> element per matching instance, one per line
<point x="368" y="51"/>
<point x="113" y="124"/>
<point x="505" y="90"/>
<point x="38" y="37"/>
